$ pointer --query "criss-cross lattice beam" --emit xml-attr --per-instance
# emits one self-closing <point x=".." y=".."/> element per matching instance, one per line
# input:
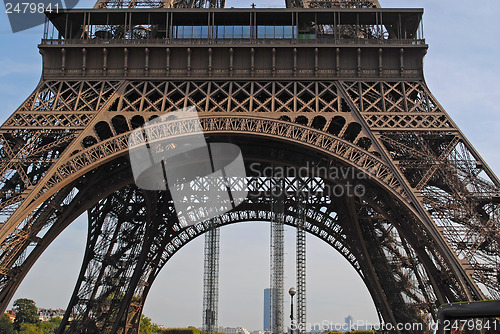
<point x="277" y="258"/>
<point x="302" y="201"/>
<point x="405" y="147"/>
<point x="211" y="279"/>
<point x="324" y="230"/>
<point x="332" y="3"/>
<point x="457" y="188"/>
<point x="115" y="4"/>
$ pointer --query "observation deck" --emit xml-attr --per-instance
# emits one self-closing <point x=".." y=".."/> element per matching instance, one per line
<point x="234" y="43"/>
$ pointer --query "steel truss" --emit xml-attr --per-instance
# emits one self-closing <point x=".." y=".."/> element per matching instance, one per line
<point x="412" y="129"/>
<point x="332" y="3"/>
<point x="118" y="4"/>
<point x="277" y="253"/>
<point x="302" y="204"/>
<point x="211" y="279"/>
<point x="118" y="280"/>
<point x="114" y="4"/>
<point x="459" y="189"/>
<point x="424" y="232"/>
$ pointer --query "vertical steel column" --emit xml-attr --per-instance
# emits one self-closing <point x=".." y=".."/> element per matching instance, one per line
<point x="302" y="201"/>
<point x="277" y="255"/>
<point x="211" y="279"/>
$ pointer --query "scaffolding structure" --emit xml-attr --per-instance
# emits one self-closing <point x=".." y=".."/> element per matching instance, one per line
<point x="277" y="256"/>
<point x="301" y="258"/>
<point x="424" y="233"/>
<point x="211" y="279"/>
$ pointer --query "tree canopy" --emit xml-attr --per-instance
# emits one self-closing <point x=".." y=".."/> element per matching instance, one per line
<point x="26" y="312"/>
<point x="6" y="325"/>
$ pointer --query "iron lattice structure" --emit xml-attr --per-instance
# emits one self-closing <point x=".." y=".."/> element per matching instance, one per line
<point x="120" y="4"/>
<point x="340" y="97"/>
<point x="277" y="256"/>
<point x="301" y="259"/>
<point x="332" y="4"/>
<point x="116" y="4"/>
<point x="211" y="279"/>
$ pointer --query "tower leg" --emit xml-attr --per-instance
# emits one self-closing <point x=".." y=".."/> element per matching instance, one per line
<point x="126" y="230"/>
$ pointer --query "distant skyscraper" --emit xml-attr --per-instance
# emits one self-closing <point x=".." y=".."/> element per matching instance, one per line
<point x="349" y="321"/>
<point x="267" y="309"/>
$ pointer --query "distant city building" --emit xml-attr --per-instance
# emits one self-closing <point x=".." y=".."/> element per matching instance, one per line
<point x="317" y="328"/>
<point x="45" y="314"/>
<point x="257" y="332"/>
<point x="234" y="330"/>
<point x="349" y="321"/>
<point x="267" y="309"/>
<point x="11" y="314"/>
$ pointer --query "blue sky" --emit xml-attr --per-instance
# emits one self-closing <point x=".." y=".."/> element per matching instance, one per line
<point x="462" y="71"/>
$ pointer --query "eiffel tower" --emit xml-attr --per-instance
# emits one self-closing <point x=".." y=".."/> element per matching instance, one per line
<point x="318" y="87"/>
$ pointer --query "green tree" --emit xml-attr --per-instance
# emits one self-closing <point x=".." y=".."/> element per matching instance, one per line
<point x="50" y="327"/>
<point x="6" y="325"/>
<point x="26" y="312"/>
<point x="189" y="330"/>
<point x="147" y="327"/>
<point x="27" y="328"/>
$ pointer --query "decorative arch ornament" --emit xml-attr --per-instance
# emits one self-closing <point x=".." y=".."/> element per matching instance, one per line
<point x="425" y="233"/>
